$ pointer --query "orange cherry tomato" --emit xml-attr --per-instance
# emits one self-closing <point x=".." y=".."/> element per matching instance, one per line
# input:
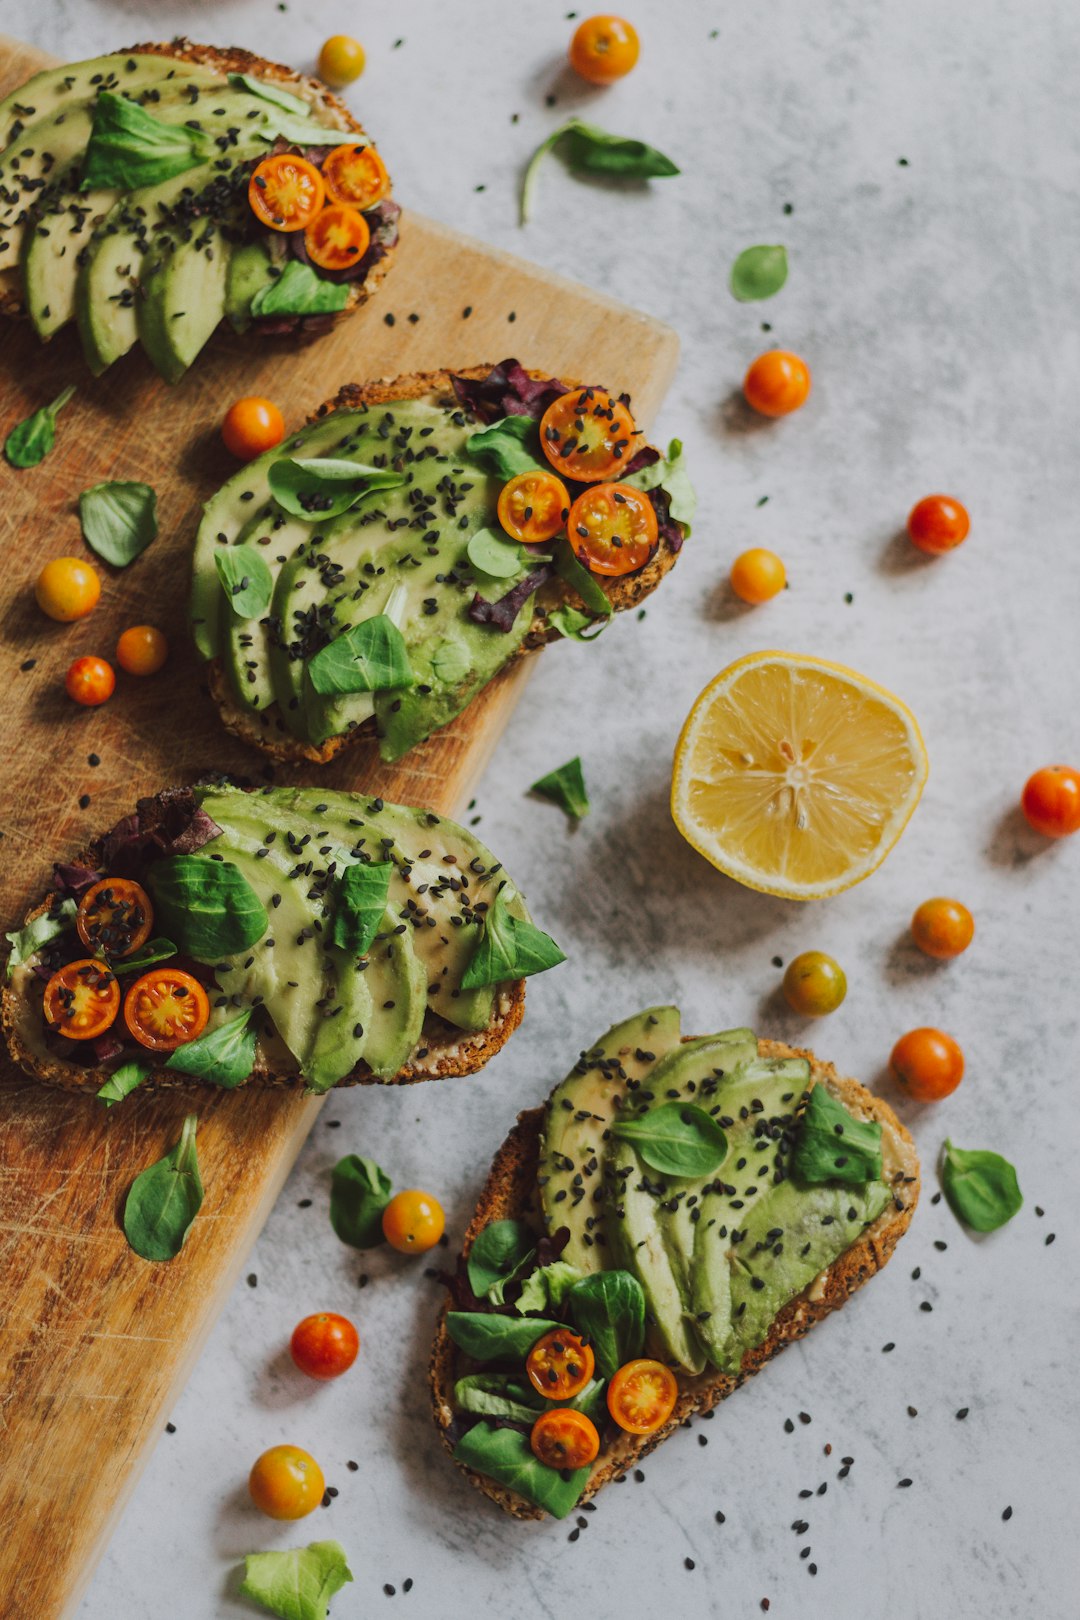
<point x="937" y="524"/>
<point x="341" y="60"/>
<point x="642" y="1395"/>
<point x="928" y="1064"/>
<point x="252" y="425"/>
<point x="534" y="506"/>
<point x="560" y="1365"/>
<point x="612" y="528"/>
<point x="165" y="1009"/>
<point x="777" y="383"/>
<point x="563" y="1438"/>
<point x="413" y="1221"/>
<point x="355" y="175"/>
<point x="286" y="1483"/>
<point x="67" y="588"/>
<point x="286" y="192"/>
<point x="325" y="1345"/>
<point x="588" y="434"/>
<point x="943" y="928"/>
<point x="114" y="917"/>
<point x="757" y="575"/>
<point x="142" y="650"/>
<point x="604" y="49"/>
<point x="82" y="1000"/>
<point x="90" y="681"/>
<point x="337" y="237"/>
<point x="1051" y="801"/>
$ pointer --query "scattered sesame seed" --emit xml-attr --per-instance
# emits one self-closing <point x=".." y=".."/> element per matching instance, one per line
<point x="170" y="1428"/>
<point x="902" y="1484"/>
<point x="689" y="1563"/>
<point x="887" y="1347"/>
<point x="913" y="1411"/>
<point x="252" y="1281"/>
<point x="962" y="1414"/>
<point x="1007" y="1515"/>
<point x="721" y="1518"/>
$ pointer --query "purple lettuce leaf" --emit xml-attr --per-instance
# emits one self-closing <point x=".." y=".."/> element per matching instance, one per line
<point x="73" y="880"/>
<point x="666" y="526"/>
<point x="507" y="390"/>
<point x="502" y="613"/>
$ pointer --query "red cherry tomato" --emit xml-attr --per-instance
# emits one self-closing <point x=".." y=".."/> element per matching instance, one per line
<point x="324" y="1345"/>
<point x="937" y="524"/>
<point x="1051" y="801"/>
<point x="928" y="1064"/>
<point x="90" y="681"/>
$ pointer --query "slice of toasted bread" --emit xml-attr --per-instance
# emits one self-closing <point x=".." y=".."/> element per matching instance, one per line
<point x="231" y="59"/>
<point x="266" y="729"/>
<point x="510" y="1191"/>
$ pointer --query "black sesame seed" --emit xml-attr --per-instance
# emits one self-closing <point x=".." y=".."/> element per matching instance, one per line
<point x="962" y="1414"/>
<point x="1007" y="1515"/>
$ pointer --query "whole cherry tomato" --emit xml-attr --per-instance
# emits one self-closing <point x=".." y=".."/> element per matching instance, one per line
<point x="928" y="1064"/>
<point x="67" y="588"/>
<point x="777" y="383"/>
<point x="286" y="1483"/>
<point x="252" y="425"/>
<point x="757" y="575"/>
<point x="90" y="681"/>
<point x="604" y="49"/>
<point x="1051" y="801"/>
<point x="943" y="928"/>
<point x="413" y="1221"/>
<point x="324" y="1345"/>
<point x="937" y="524"/>
<point x="814" y="984"/>
<point x="142" y="650"/>
<point x="341" y="60"/>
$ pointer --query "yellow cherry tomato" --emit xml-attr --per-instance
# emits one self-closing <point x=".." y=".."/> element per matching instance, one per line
<point x="142" y="650"/>
<point x="757" y="575"/>
<point x="90" y="681"/>
<point x="286" y="1483"/>
<point x="67" y="588"/>
<point x="413" y="1221"/>
<point x="252" y="425"/>
<point x="777" y="383"/>
<point x="943" y="928"/>
<point x="604" y="49"/>
<point x="341" y="60"/>
<point x="814" y="984"/>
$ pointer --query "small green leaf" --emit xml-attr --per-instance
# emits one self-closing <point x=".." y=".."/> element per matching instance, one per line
<point x="758" y="272"/>
<point x="488" y="1337"/>
<point x="580" y="580"/>
<point x="678" y="1139"/>
<point x="833" y="1145"/>
<point x="546" y="1287"/>
<point x="574" y="625"/>
<point x="506" y="1456"/>
<point x="566" y="788"/>
<point x="245" y="579"/>
<point x="499" y="1251"/>
<point x="30" y="440"/>
<point x="119" y="520"/>
<point x="155" y="950"/>
<point x="123" y="1081"/>
<point x="981" y="1187"/>
<point x="608" y="1309"/>
<point x="495" y="1394"/>
<point x="508" y="948"/>
<point x="492" y="553"/>
<point x="296" y="1583"/>
<point x="299" y="291"/>
<point x="359" y="1192"/>
<point x="370" y="657"/>
<point x="272" y="93"/>
<point x="670" y="475"/>
<point x="224" y="1056"/>
<point x="207" y="905"/>
<point x="590" y="150"/>
<point x="508" y="447"/>
<point x="322" y="488"/>
<point x="360" y="905"/>
<point x="28" y="939"/>
<point x="129" y="148"/>
<point x="165" y="1199"/>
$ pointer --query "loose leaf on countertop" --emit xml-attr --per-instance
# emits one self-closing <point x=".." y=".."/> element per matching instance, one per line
<point x="359" y="1192"/>
<point x="566" y="788"/>
<point x="323" y="487"/>
<point x="586" y="585"/>
<point x="297" y="1583"/>
<point x="495" y="555"/>
<point x="545" y="1288"/>
<point x="155" y="950"/>
<point x="487" y="1337"/>
<point x="123" y="1081"/>
<point x="759" y="272"/>
<point x="981" y="1187"/>
<point x="37" y="932"/>
<point x="119" y="520"/>
<point x="165" y="1199"/>
<point x="272" y="93"/>
<point x="508" y="948"/>
<point x="833" y="1145"/>
<point x="678" y="1139"/>
<point x="129" y="148"/>
<point x="508" y="447"/>
<point x="360" y="905"/>
<point x="224" y="1056"/>
<point x="299" y="291"/>
<point x="574" y="625"/>
<point x="670" y="475"/>
<point x="245" y="579"/>
<point x="371" y="657"/>
<point x="208" y="906"/>
<point x="31" y="439"/>
<point x="506" y="1456"/>
<point x="608" y="1309"/>
<point x="589" y="150"/>
<point x="498" y="1252"/>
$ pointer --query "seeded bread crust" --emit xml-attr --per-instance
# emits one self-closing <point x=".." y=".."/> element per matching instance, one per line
<point x="446" y="1052"/>
<point x="510" y="1191"/>
<point x="231" y="59"/>
<point x="267" y="731"/>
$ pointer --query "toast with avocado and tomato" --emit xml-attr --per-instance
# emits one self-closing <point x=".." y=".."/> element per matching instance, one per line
<point x="371" y="574"/>
<point x="274" y="937"/>
<point x="678" y="1211"/>
<point x="153" y="193"/>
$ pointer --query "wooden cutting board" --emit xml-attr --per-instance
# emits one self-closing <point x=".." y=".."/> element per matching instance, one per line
<point x="94" y="1342"/>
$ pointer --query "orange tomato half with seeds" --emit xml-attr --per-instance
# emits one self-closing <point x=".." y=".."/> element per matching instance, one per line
<point x="588" y="434"/>
<point x="612" y="529"/>
<point x="642" y="1395"/>
<point x="286" y="192"/>
<point x="82" y="1000"/>
<point x="563" y="1438"/>
<point x="533" y="507"/>
<point x="115" y="917"/>
<point x="165" y="1009"/>
<point x="355" y="175"/>
<point x="337" y="238"/>
<point x="560" y="1365"/>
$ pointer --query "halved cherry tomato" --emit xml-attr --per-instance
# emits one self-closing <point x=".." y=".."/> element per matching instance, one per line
<point x="337" y="238"/>
<point x="937" y="524"/>
<point x="286" y="1483"/>
<point x="612" y="528"/>
<point x="355" y="175"/>
<point x="1051" y="801"/>
<point x="928" y="1064"/>
<point x="560" y="1365"/>
<point x="82" y="1000"/>
<point x="142" y="650"/>
<point x="642" y="1395"/>
<point x="90" y="681"/>
<point x="604" y="49"/>
<point x="286" y="192"/>
<point x="563" y="1438"/>
<point x="588" y="435"/>
<point x="250" y="426"/>
<point x="534" y="506"/>
<point x="413" y="1221"/>
<point x="115" y="917"/>
<point x="165" y="1009"/>
<point x="324" y="1345"/>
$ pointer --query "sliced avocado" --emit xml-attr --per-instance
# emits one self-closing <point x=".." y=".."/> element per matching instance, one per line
<point x="339" y="1039"/>
<point x="252" y="266"/>
<point x="396" y="981"/>
<point x="183" y="295"/>
<point x="576" y="1117"/>
<point x="38" y="161"/>
<point x="58" y="89"/>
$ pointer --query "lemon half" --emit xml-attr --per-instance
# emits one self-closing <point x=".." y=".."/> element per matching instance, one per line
<point x="796" y="776"/>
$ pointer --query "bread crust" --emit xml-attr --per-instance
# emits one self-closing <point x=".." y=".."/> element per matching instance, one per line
<point x="510" y="1189"/>
<point x="267" y="731"/>
<point x="232" y="59"/>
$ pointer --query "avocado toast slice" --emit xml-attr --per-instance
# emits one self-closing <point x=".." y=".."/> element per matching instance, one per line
<point x="787" y="1227"/>
<point x="124" y="186"/>
<point x="442" y="448"/>
<point x="271" y="937"/>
